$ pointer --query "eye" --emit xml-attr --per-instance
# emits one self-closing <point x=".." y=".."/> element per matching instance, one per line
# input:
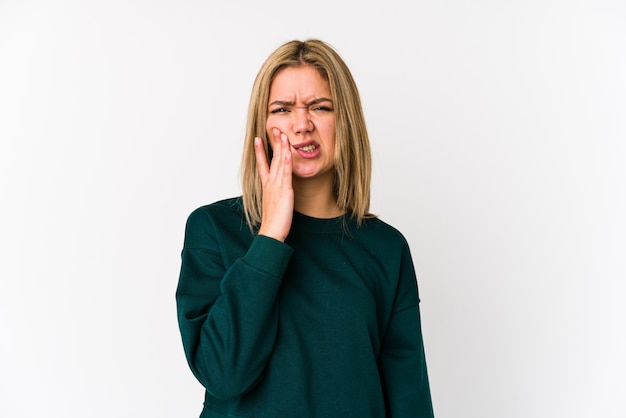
<point x="279" y="110"/>
<point x="323" y="108"/>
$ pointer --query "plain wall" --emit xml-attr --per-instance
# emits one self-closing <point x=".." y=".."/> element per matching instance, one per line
<point x="498" y="130"/>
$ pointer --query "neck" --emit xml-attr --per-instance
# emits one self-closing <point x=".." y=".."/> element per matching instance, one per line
<point x="316" y="197"/>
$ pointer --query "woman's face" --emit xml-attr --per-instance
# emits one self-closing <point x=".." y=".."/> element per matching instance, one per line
<point x="300" y="105"/>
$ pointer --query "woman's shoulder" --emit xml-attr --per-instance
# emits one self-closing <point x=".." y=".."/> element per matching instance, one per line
<point x="220" y="207"/>
<point x="377" y="229"/>
<point x="220" y="220"/>
<point x="221" y="211"/>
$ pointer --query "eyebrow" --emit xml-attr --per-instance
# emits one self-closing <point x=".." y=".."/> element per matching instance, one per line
<point x="310" y="103"/>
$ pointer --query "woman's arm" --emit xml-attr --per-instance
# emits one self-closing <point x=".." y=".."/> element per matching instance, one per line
<point x="228" y="315"/>
<point x="402" y="361"/>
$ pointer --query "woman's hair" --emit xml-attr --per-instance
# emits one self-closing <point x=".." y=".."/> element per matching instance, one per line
<point x="352" y="151"/>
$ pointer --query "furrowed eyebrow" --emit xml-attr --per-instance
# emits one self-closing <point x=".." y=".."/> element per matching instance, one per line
<point x="311" y="103"/>
<point x="318" y="101"/>
<point x="281" y="103"/>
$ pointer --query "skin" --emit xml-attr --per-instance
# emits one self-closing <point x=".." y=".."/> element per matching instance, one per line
<point x="301" y="130"/>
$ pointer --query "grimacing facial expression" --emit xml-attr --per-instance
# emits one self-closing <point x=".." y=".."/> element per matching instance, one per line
<point x="300" y="105"/>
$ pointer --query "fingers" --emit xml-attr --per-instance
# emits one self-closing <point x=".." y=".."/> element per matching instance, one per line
<point x="278" y="200"/>
<point x="284" y="154"/>
<point x="262" y="164"/>
<point x="281" y="159"/>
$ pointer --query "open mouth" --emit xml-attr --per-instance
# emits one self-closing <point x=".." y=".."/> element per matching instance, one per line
<point x="308" y="148"/>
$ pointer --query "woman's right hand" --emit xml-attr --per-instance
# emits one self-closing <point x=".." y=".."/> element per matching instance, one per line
<point x="277" y="185"/>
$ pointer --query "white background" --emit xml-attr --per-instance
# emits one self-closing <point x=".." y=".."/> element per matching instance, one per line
<point x="498" y="130"/>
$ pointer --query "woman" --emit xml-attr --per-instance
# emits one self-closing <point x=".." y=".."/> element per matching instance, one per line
<point x="293" y="300"/>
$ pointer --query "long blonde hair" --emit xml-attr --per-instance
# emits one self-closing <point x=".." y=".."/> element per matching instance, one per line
<point x="353" y="162"/>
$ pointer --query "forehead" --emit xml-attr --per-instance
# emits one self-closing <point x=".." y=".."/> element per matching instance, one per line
<point x="303" y="80"/>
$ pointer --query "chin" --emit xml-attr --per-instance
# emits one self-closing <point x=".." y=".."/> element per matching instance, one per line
<point x="304" y="175"/>
<point x="310" y="171"/>
<point x="305" y="172"/>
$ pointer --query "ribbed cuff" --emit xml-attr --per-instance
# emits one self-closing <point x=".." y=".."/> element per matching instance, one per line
<point x="269" y="255"/>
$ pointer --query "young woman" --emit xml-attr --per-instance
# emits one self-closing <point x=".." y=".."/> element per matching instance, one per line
<point x="293" y="300"/>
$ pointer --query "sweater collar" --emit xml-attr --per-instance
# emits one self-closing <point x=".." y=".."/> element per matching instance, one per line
<point x="309" y="224"/>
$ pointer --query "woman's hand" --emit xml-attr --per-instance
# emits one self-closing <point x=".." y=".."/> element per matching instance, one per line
<point x="276" y="180"/>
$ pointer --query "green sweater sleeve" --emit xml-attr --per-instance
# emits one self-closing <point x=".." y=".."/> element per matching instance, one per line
<point x="227" y="312"/>
<point x="402" y="360"/>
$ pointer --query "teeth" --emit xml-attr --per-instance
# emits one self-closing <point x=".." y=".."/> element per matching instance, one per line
<point x="308" y="148"/>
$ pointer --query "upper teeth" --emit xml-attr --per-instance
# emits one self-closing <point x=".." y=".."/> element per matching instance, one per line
<point x="308" y="148"/>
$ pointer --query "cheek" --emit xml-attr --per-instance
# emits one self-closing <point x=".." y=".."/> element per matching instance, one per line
<point x="329" y="132"/>
<point x="328" y="126"/>
<point x="275" y="122"/>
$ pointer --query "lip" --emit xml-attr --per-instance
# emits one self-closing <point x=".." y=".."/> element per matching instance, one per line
<point x="307" y="154"/>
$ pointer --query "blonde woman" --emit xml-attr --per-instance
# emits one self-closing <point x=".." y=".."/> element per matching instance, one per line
<point x="293" y="300"/>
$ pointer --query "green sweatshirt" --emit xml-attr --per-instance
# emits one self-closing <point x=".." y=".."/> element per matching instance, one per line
<point x="326" y="324"/>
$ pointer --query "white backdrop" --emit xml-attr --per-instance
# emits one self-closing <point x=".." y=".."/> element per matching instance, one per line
<point x="498" y="132"/>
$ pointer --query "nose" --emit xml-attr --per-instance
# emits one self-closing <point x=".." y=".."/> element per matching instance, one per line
<point x="302" y="122"/>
